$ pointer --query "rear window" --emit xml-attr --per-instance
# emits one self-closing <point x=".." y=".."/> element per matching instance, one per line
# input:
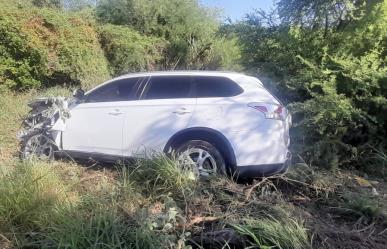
<point x="212" y="86"/>
<point x="168" y="87"/>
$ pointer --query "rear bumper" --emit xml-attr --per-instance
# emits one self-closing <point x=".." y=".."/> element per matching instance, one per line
<point x="263" y="170"/>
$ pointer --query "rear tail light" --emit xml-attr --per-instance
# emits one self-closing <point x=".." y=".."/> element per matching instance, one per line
<point x="271" y="111"/>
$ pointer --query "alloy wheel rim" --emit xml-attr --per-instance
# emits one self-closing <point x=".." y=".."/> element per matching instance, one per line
<point x="204" y="163"/>
<point x="39" y="146"/>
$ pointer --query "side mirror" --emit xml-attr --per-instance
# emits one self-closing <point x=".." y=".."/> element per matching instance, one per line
<point x="79" y="94"/>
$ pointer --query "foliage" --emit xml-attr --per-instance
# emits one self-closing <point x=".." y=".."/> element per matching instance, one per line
<point x="328" y="62"/>
<point x="324" y="14"/>
<point x="189" y="29"/>
<point x="53" y="42"/>
<point x="48" y="3"/>
<point x="129" y="51"/>
<point x="157" y="204"/>
<point x="361" y="205"/>
<point x="42" y="47"/>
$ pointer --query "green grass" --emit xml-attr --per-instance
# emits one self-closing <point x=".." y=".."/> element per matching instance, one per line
<point x="41" y="206"/>
<point x="30" y="193"/>
<point x="273" y="233"/>
<point x="12" y="108"/>
<point x="359" y="205"/>
<point x="163" y="175"/>
<point x="99" y="228"/>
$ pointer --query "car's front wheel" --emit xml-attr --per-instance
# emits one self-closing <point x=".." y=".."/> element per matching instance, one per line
<point x="39" y="146"/>
<point x="204" y="156"/>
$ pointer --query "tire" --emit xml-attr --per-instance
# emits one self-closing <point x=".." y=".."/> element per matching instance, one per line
<point x="42" y="153"/>
<point x="193" y="147"/>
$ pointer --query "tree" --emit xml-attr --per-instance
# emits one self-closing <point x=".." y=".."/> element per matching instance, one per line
<point x="48" y="3"/>
<point x="320" y="14"/>
<point x="189" y="28"/>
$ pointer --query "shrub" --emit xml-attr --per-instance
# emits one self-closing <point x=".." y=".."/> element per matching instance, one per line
<point x="43" y="47"/>
<point x="188" y="27"/>
<point x="331" y="69"/>
<point x="129" y="51"/>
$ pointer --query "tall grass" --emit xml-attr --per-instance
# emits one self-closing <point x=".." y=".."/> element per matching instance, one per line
<point x="29" y="196"/>
<point x="359" y="205"/>
<point x="99" y="228"/>
<point x="37" y="209"/>
<point x="164" y="175"/>
<point x="274" y="233"/>
<point x="12" y="108"/>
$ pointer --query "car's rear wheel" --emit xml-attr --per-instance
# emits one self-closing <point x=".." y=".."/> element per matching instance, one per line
<point x="204" y="156"/>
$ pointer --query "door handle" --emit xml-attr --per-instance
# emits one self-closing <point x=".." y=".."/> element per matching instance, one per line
<point x="115" y="112"/>
<point x="182" y="111"/>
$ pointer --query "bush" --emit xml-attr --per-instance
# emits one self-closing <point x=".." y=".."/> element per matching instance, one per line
<point x="330" y="69"/>
<point x="189" y="28"/>
<point x="44" y="47"/>
<point x="129" y="51"/>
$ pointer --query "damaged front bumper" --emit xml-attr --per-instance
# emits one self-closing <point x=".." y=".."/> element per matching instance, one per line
<point x="42" y="127"/>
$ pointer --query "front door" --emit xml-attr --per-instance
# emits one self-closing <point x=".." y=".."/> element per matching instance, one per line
<point x="96" y="126"/>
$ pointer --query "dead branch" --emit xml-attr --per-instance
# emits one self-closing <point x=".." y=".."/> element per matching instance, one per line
<point x="250" y="190"/>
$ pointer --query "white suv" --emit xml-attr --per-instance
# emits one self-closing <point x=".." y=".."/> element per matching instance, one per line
<point x="225" y="122"/>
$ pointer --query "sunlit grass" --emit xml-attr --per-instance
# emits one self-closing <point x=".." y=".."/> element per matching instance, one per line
<point x="162" y="174"/>
<point x="30" y="194"/>
<point x="273" y="233"/>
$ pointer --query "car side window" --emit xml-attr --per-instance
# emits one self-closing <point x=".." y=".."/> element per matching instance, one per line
<point x="214" y="86"/>
<point x="168" y="87"/>
<point x="119" y="90"/>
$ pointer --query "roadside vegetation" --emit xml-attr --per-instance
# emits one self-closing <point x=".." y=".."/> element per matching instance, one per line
<point x="160" y="204"/>
<point x="326" y="61"/>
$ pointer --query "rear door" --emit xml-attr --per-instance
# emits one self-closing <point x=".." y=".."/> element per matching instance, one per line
<point x="217" y="104"/>
<point x="96" y="125"/>
<point x="165" y="107"/>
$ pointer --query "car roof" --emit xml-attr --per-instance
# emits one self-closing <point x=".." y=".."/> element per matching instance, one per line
<point x="183" y="73"/>
<point x="231" y="75"/>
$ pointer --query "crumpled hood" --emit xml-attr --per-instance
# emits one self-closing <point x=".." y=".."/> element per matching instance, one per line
<point x="44" y="114"/>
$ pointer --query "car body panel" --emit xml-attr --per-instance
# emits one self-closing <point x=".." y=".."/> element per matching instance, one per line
<point x="150" y="123"/>
<point x="95" y="127"/>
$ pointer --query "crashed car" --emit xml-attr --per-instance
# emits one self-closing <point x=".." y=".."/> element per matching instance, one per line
<point x="220" y="121"/>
